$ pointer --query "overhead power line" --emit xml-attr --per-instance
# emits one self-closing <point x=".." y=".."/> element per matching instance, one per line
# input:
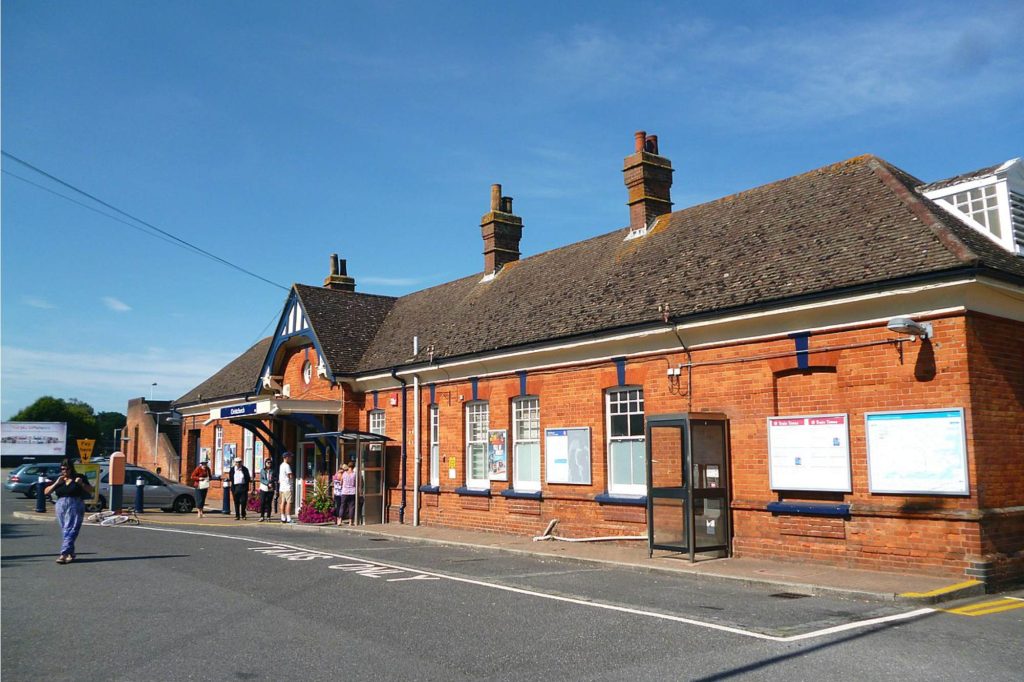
<point x="152" y="230"/>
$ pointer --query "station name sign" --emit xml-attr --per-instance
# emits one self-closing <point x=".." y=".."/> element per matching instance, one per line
<point x="237" y="410"/>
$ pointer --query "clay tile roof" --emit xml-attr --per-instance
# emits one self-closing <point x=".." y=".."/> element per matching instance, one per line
<point x="344" y="322"/>
<point x="236" y="379"/>
<point x="855" y="223"/>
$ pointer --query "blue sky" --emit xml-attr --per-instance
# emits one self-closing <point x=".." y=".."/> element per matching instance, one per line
<point x="275" y="133"/>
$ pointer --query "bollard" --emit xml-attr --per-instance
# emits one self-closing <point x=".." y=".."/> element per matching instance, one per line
<point x="41" y="494"/>
<point x="226" y="502"/>
<point x="116" y="478"/>
<point x="140" y="486"/>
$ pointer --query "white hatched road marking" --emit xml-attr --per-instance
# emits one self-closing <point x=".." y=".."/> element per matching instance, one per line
<point x="376" y="569"/>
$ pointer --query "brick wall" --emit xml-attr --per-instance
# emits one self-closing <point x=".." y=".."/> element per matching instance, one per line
<point x="937" y="534"/>
<point x="996" y="368"/>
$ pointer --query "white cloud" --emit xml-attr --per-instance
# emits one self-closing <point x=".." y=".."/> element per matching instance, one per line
<point x="104" y="380"/>
<point x="37" y="302"/>
<point x="808" y="70"/>
<point x="116" y="305"/>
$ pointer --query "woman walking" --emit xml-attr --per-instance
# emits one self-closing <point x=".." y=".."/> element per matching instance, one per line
<point x="70" y="488"/>
<point x="201" y="476"/>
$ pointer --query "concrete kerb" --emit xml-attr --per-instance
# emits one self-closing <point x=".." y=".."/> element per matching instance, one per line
<point x="953" y="592"/>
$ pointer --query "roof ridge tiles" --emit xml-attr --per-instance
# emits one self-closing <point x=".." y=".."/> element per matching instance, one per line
<point x="330" y="292"/>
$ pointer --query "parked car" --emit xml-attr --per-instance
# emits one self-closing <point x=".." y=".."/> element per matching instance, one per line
<point x="25" y="478"/>
<point x="158" y="492"/>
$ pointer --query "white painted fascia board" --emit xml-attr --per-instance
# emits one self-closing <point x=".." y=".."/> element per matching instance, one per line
<point x="207" y="405"/>
<point x="896" y="300"/>
<point x="290" y="406"/>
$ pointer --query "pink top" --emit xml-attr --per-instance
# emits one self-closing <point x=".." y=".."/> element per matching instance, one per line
<point x="348" y="482"/>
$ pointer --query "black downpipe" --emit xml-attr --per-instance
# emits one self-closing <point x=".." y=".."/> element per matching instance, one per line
<point x="394" y="375"/>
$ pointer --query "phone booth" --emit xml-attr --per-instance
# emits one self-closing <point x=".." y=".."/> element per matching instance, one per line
<point x="688" y="483"/>
<point x="367" y="452"/>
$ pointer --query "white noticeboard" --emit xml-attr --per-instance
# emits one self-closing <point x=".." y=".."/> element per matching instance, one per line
<point x="918" y="452"/>
<point x="33" y="438"/>
<point x="809" y="453"/>
<point x="568" y="455"/>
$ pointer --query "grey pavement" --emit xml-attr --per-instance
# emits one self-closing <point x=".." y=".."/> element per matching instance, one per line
<point x="787" y="576"/>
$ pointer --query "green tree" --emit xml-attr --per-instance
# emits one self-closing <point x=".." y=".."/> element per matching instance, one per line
<point x="79" y="416"/>
<point x="107" y="422"/>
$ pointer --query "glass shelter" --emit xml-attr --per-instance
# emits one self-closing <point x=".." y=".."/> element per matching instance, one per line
<point x="688" y="483"/>
<point x="367" y="452"/>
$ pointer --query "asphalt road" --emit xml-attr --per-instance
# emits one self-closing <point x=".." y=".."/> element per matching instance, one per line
<point x="262" y="601"/>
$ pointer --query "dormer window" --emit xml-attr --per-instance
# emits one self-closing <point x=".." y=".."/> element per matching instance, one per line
<point x="990" y="200"/>
<point x="980" y="204"/>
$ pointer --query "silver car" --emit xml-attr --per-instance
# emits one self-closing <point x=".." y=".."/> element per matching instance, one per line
<point x="159" y="492"/>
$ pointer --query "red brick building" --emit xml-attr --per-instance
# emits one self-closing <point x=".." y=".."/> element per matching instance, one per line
<point x="846" y="346"/>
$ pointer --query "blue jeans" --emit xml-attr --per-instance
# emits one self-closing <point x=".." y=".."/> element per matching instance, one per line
<point x="70" y="513"/>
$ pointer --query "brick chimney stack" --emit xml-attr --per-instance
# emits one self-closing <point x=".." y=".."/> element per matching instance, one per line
<point x="648" y="179"/>
<point x="501" y="231"/>
<point x="339" y="279"/>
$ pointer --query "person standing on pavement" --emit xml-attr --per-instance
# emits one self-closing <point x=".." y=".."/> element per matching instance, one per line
<point x="239" y="477"/>
<point x="201" y="476"/>
<point x="286" y="484"/>
<point x="348" y="494"/>
<point x="267" y="485"/>
<point x="70" y="488"/>
<point x="336" y="486"/>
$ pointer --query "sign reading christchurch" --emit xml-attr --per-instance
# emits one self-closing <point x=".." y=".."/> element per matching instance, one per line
<point x="237" y="410"/>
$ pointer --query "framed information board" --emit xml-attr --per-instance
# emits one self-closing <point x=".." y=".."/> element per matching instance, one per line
<point x="917" y="452"/>
<point x="809" y="453"/>
<point x="568" y="455"/>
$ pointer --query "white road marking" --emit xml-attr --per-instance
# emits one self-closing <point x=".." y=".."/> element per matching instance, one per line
<point x="359" y="565"/>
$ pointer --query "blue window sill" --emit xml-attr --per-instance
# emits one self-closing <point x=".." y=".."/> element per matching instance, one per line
<point x="430" y="488"/>
<point x="629" y="500"/>
<point x="809" y="509"/>
<point x="473" y="492"/>
<point x="521" y="495"/>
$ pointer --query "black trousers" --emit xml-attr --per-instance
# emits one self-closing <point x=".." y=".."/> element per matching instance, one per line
<point x="266" y="503"/>
<point x="240" y="493"/>
<point x="348" y="507"/>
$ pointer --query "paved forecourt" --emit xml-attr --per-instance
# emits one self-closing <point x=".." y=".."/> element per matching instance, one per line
<point x="220" y="598"/>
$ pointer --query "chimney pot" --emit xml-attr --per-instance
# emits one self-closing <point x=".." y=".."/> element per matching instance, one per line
<point x="639" y="137"/>
<point x="495" y="197"/>
<point x="338" y="278"/>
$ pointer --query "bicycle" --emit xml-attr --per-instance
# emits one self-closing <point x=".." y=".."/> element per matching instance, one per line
<point x="110" y="518"/>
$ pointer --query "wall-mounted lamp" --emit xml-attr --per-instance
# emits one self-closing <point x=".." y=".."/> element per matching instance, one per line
<point x="905" y="325"/>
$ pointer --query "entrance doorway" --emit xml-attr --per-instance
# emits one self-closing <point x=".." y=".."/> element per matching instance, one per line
<point x="688" y="483"/>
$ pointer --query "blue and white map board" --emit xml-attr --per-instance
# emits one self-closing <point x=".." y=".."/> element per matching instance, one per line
<point x="568" y="455"/>
<point x="918" y="452"/>
<point x="810" y="452"/>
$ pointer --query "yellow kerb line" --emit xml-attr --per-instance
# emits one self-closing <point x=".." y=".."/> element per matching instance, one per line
<point x="986" y="607"/>
<point x="941" y="590"/>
